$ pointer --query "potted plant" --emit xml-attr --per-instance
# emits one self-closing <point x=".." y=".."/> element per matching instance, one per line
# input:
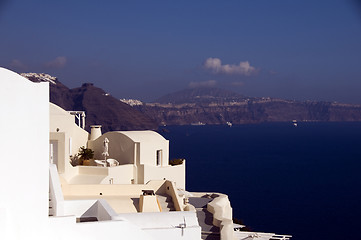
<point x="177" y="161"/>
<point x="85" y="154"/>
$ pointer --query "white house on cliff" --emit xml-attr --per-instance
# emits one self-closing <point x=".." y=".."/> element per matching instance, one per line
<point x="135" y="195"/>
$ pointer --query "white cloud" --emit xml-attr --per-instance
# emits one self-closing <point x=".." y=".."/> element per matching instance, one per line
<point x="243" y="68"/>
<point x="58" y="62"/>
<point x="210" y="83"/>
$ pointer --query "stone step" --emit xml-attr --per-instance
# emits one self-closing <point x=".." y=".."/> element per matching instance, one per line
<point x="166" y="203"/>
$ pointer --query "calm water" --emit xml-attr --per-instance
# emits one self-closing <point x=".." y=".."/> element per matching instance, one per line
<point x="303" y="180"/>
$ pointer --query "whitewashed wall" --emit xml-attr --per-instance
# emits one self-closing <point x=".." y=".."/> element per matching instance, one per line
<point x="24" y="151"/>
<point x="70" y="136"/>
<point x="173" y="173"/>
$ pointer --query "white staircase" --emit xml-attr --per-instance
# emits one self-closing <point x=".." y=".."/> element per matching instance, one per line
<point x="166" y="203"/>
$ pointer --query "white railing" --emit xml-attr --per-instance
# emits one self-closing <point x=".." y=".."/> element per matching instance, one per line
<point x="55" y="192"/>
<point x="80" y="116"/>
<point x="281" y="237"/>
<point x="243" y="235"/>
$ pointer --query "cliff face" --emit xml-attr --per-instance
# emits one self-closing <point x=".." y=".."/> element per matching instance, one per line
<point x="226" y="107"/>
<point x="100" y="107"/>
<point x="206" y="105"/>
<point x="112" y="114"/>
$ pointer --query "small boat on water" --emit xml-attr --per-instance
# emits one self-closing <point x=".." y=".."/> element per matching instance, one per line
<point x="295" y="123"/>
<point x="198" y="124"/>
<point x="229" y="124"/>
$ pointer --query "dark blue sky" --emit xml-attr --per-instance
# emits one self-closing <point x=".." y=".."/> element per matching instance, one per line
<point x="299" y="49"/>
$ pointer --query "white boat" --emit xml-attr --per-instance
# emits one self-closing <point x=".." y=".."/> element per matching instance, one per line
<point x="198" y="124"/>
<point x="229" y="124"/>
<point x="295" y="123"/>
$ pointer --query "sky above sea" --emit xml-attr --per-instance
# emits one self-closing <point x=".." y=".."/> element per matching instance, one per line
<point x="299" y="49"/>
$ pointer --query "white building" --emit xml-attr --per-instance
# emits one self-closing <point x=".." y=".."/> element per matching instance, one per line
<point x="45" y="197"/>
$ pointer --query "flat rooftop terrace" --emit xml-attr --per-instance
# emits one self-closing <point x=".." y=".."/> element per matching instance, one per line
<point x="120" y="204"/>
<point x="127" y="203"/>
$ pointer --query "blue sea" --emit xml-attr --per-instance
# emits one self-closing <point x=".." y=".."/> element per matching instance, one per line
<point x="304" y="181"/>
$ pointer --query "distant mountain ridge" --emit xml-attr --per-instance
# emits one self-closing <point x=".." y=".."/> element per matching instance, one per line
<point x="200" y="95"/>
<point x="217" y="106"/>
<point x="99" y="106"/>
<point x="185" y="107"/>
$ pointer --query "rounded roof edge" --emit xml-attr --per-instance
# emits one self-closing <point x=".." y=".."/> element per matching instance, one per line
<point x="55" y="109"/>
<point x="6" y="74"/>
<point x="139" y="136"/>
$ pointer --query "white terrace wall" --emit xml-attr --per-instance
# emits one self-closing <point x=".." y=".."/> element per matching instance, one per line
<point x="75" y="137"/>
<point x="24" y="146"/>
<point x="110" y="189"/>
<point x="122" y="174"/>
<point x="176" y="174"/>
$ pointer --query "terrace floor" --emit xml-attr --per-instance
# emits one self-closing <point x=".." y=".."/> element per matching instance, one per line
<point x="120" y="204"/>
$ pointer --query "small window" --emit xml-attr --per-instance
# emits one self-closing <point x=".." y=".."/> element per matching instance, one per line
<point x="159" y="157"/>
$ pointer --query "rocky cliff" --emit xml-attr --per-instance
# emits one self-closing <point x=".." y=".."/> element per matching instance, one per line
<point x="99" y="106"/>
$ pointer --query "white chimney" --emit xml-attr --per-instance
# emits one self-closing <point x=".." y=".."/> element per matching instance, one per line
<point x="95" y="131"/>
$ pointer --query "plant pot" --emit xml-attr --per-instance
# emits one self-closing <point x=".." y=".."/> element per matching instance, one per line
<point x="86" y="162"/>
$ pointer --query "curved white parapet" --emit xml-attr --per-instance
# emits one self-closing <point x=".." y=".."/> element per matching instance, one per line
<point x="221" y="209"/>
<point x="190" y="208"/>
